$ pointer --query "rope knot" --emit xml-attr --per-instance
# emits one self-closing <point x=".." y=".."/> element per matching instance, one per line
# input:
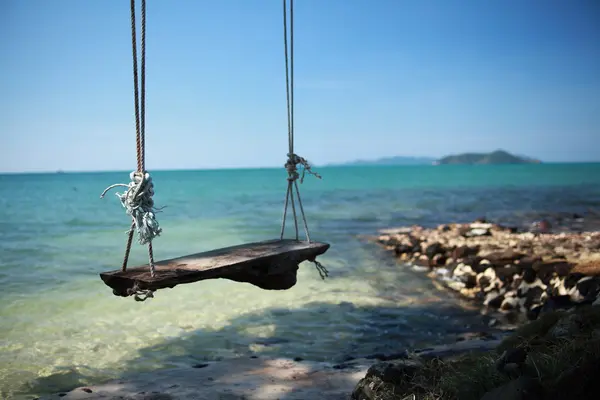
<point x="292" y="169"/>
<point x="137" y="201"/>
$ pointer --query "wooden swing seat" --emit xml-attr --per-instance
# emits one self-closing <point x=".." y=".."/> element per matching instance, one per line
<point x="269" y="265"/>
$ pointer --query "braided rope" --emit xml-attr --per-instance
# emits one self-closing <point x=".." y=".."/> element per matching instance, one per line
<point x="137" y="199"/>
<point x="293" y="160"/>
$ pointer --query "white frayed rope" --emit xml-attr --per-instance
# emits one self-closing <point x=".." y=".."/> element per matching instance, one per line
<point x="137" y="201"/>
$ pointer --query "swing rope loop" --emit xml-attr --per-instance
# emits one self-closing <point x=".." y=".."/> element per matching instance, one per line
<point x="293" y="160"/>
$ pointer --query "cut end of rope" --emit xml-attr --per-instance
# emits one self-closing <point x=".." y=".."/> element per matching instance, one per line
<point x="140" y="294"/>
<point x="292" y="168"/>
<point x="138" y="203"/>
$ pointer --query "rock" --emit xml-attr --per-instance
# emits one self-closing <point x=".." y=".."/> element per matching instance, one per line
<point x="443" y="272"/>
<point x="572" y="279"/>
<point x="455" y="285"/>
<point x="534" y="312"/>
<point x="565" y="327"/>
<point x="464" y="251"/>
<point x="438" y="260"/>
<point x="422" y="261"/>
<point x="531" y="292"/>
<point x="434" y="249"/>
<point x="545" y="270"/>
<point x="589" y="267"/>
<point x="529" y="275"/>
<point x="506" y="269"/>
<point x="493" y="300"/>
<point x="401" y="249"/>
<point x="554" y="303"/>
<point x="528" y="261"/>
<point x="512" y="361"/>
<point x="398" y="374"/>
<point x="506" y="273"/>
<point x="465" y="274"/>
<point x="588" y="288"/>
<point x="502" y="258"/>
<point x="522" y="388"/>
<point x="478" y="232"/>
<point x="509" y="304"/>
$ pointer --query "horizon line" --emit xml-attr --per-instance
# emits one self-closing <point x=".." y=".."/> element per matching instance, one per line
<point x="331" y="165"/>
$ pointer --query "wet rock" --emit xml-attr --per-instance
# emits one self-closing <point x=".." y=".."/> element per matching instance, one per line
<point x="494" y="300"/>
<point x="401" y="249"/>
<point x="509" y="303"/>
<point x="534" y="312"/>
<point x="455" y="285"/>
<point x="465" y="275"/>
<point x="475" y="263"/>
<point x="421" y="261"/>
<point x="434" y="249"/>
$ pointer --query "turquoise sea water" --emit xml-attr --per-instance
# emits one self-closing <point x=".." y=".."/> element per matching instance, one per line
<point x="61" y="326"/>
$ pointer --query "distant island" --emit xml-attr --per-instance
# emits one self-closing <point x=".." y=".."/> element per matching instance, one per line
<point x="496" y="157"/>
<point x="398" y="160"/>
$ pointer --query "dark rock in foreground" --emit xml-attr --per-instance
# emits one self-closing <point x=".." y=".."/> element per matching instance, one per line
<point x="556" y="357"/>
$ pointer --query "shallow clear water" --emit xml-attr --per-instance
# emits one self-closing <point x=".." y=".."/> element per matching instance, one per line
<point x="61" y="326"/>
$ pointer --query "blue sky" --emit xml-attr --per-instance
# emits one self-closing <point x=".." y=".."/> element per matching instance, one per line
<point x="373" y="79"/>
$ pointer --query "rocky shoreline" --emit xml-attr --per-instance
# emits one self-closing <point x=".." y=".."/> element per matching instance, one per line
<point x="548" y="281"/>
<point x="515" y="273"/>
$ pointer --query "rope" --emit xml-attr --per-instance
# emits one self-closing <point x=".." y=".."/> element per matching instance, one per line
<point x="137" y="199"/>
<point x="138" y="203"/>
<point x="140" y="294"/>
<point x="293" y="160"/>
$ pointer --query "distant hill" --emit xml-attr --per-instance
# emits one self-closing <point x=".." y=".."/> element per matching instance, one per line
<point x="398" y="160"/>
<point x="496" y="157"/>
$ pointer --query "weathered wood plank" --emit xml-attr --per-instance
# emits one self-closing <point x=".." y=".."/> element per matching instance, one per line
<point x="270" y="265"/>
